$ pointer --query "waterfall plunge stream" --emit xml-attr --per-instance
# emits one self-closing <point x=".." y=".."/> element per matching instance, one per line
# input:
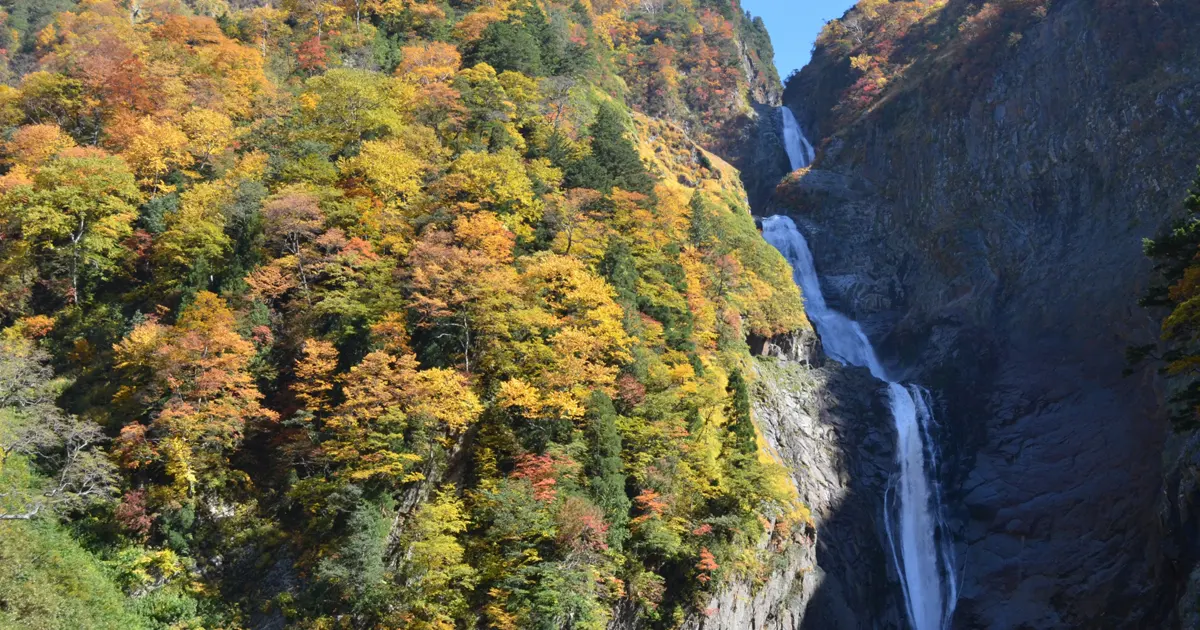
<point x="920" y="547"/>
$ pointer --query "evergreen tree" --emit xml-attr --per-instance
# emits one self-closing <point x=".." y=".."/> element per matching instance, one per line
<point x="679" y="323"/>
<point x="587" y="173"/>
<point x="525" y="43"/>
<point x="619" y="269"/>
<point x="605" y="470"/>
<point x="1174" y="252"/>
<point x="509" y="46"/>
<point x="1174" y="256"/>
<point x="740" y="423"/>
<point x="701" y="229"/>
<point x="614" y="161"/>
<point x="549" y="40"/>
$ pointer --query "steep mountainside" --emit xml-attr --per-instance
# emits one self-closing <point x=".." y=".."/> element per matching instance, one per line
<point x="985" y="177"/>
<point x="383" y="314"/>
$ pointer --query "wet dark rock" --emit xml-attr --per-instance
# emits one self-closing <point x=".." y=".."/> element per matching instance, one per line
<point x="762" y="159"/>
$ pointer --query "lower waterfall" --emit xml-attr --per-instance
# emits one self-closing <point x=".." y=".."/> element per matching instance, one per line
<point x="921" y="548"/>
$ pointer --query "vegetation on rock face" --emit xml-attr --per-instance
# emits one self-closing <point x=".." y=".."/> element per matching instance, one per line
<point x="880" y="48"/>
<point x="1175" y="257"/>
<point x="377" y="314"/>
<point x="878" y="43"/>
<point x="682" y="61"/>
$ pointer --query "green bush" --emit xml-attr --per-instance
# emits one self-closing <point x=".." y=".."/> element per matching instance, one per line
<point x="47" y="581"/>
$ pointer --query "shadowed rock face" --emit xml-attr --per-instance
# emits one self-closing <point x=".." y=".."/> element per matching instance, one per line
<point x="993" y="251"/>
<point x="763" y="161"/>
<point x="842" y="458"/>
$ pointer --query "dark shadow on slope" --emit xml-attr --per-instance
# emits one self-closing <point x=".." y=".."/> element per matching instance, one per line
<point x="859" y="589"/>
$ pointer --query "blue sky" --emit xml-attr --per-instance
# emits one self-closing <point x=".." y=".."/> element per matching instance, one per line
<point x="794" y="25"/>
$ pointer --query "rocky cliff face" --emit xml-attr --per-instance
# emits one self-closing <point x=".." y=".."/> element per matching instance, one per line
<point x="993" y="250"/>
<point x="762" y="160"/>
<point x="739" y="138"/>
<point x="831" y="427"/>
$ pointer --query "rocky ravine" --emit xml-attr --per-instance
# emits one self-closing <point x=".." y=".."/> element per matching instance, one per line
<point x="994" y="251"/>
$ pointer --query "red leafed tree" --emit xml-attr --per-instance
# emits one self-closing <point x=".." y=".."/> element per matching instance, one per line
<point x="312" y="56"/>
<point x="706" y="565"/>
<point x="542" y="471"/>
<point x="651" y="503"/>
<point x="132" y="514"/>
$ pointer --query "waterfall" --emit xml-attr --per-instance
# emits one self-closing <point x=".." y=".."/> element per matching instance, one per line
<point x="800" y="152"/>
<point x="920" y="545"/>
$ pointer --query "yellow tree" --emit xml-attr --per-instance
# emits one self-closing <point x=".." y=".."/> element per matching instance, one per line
<point x="493" y="182"/>
<point x="435" y="574"/>
<point x="396" y="168"/>
<point x="315" y="375"/>
<point x="373" y="434"/>
<point x="461" y="283"/>
<point x="428" y="63"/>
<point x="209" y="134"/>
<point x="320" y="15"/>
<point x="33" y="145"/>
<point x="157" y="149"/>
<point x="423" y="12"/>
<point x="580" y="336"/>
<point x="270" y="25"/>
<point x="344" y="105"/>
<point x="572" y="215"/>
<point x="199" y="368"/>
<point x="293" y="218"/>
<point x="195" y="234"/>
<point x="71" y="218"/>
<point x="432" y="66"/>
<point x="473" y="24"/>
<point x="489" y="112"/>
<point x="195" y="238"/>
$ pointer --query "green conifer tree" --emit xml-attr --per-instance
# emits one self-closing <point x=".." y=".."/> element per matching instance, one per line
<point x="614" y="161"/>
<point x="1174" y="255"/>
<point x="605" y="470"/>
<point x="700" y="229"/>
<point x="740" y="423"/>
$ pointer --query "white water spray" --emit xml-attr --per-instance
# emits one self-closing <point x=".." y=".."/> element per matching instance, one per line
<point x="800" y="152"/>
<point x="921" y="548"/>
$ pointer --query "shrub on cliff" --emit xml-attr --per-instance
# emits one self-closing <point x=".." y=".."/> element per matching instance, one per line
<point x="1178" y="289"/>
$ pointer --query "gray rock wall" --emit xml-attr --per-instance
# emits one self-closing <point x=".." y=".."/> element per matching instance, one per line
<point x="995" y="253"/>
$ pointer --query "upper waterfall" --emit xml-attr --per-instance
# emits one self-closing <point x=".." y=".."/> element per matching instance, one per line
<point x="921" y="550"/>
<point x="800" y="152"/>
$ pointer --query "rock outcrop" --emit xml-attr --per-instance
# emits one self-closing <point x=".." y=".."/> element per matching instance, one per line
<point x="993" y="250"/>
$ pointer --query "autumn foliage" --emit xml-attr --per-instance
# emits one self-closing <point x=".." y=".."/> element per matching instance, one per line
<point x="880" y="41"/>
<point x="391" y="313"/>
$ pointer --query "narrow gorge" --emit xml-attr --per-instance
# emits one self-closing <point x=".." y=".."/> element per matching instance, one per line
<point x="921" y="549"/>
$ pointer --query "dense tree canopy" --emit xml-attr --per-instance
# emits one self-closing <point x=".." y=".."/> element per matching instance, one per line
<point x="375" y="314"/>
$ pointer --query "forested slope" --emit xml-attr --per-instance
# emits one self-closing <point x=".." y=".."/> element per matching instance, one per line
<point x="380" y="314"/>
